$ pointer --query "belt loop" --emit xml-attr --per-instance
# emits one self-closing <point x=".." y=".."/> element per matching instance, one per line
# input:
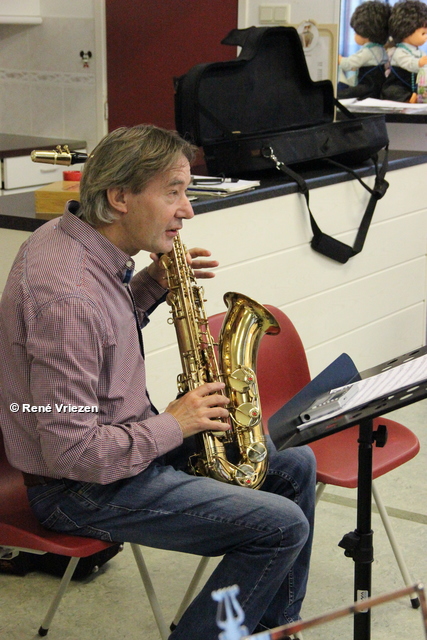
<point x="33" y="480"/>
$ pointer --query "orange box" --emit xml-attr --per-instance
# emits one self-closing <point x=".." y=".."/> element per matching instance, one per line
<point x="51" y="198"/>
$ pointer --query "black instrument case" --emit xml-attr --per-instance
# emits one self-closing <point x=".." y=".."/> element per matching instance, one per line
<point x="264" y="102"/>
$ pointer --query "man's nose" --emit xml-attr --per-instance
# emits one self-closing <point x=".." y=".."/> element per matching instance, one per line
<point x="185" y="209"/>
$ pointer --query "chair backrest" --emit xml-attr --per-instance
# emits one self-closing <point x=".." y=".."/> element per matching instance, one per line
<point x="282" y="368"/>
<point x="19" y="527"/>
<point x="12" y="488"/>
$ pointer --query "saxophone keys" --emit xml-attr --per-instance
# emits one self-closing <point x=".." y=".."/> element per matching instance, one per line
<point x="256" y="452"/>
<point x="242" y="380"/>
<point x="247" y="415"/>
<point x="245" y="474"/>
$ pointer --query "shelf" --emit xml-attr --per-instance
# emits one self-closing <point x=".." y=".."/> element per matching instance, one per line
<point x="20" y="12"/>
<point x="20" y="20"/>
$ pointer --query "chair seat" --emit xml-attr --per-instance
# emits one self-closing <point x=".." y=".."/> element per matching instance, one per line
<point x="20" y="528"/>
<point x="337" y="455"/>
<point x="27" y="533"/>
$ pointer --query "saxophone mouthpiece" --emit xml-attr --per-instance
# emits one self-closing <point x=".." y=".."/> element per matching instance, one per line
<point x="60" y="155"/>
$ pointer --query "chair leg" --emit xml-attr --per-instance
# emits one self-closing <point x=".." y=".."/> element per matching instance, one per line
<point x="319" y="490"/>
<point x="189" y="594"/>
<point x="394" y="545"/>
<point x="151" y="594"/>
<point x="57" y="599"/>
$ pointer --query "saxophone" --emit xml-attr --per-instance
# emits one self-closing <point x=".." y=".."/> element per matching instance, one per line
<point x="245" y="323"/>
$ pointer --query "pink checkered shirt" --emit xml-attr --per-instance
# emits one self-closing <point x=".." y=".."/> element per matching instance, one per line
<point x="68" y="338"/>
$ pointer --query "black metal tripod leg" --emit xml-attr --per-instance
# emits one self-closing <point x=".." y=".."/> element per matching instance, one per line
<point x="365" y="556"/>
<point x="358" y="544"/>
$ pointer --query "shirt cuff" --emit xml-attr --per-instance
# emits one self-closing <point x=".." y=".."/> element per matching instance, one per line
<point x="167" y="432"/>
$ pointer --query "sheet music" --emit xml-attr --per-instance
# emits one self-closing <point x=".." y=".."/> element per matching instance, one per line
<point x="213" y="186"/>
<point x="374" y="105"/>
<point x="408" y="374"/>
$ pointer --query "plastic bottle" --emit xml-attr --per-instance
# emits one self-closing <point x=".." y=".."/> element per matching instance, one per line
<point x="422" y="84"/>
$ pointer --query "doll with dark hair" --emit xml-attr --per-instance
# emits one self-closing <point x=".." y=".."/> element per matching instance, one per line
<point x="370" y="24"/>
<point x="408" y="29"/>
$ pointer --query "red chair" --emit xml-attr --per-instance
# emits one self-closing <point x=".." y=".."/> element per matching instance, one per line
<point x="282" y="371"/>
<point x="20" y="531"/>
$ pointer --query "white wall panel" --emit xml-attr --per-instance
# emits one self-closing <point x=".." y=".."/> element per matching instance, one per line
<point x="391" y="336"/>
<point x="347" y="308"/>
<point x="298" y="273"/>
<point x="263" y="228"/>
<point x="162" y="369"/>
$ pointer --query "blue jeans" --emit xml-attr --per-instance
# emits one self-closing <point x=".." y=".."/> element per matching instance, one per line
<point x="264" y="535"/>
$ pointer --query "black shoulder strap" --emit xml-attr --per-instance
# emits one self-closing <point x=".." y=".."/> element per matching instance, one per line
<point x="349" y="114"/>
<point x="321" y="242"/>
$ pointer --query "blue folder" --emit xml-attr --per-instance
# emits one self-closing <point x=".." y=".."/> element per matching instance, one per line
<point x="284" y="422"/>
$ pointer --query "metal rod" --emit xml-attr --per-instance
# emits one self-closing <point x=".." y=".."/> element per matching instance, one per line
<point x="289" y="629"/>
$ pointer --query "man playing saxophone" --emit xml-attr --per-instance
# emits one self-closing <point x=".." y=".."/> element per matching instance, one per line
<point x="97" y="457"/>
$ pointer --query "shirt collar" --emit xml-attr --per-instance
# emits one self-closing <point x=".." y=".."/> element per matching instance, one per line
<point x="409" y="47"/>
<point x="113" y="258"/>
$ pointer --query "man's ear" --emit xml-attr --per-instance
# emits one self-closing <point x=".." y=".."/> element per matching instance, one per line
<point x="116" y="199"/>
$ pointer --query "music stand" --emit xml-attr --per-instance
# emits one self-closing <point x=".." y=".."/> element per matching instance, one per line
<point x="359" y="543"/>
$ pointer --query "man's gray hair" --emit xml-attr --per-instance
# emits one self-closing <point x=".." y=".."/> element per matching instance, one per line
<point x="127" y="158"/>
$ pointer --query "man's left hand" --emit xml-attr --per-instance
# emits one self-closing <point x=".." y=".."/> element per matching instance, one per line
<point x="199" y="265"/>
<point x="196" y="257"/>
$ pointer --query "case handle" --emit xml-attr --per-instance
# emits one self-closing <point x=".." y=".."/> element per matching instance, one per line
<point x="321" y="242"/>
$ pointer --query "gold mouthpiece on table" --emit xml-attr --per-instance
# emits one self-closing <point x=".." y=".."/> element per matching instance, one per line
<point x="60" y="155"/>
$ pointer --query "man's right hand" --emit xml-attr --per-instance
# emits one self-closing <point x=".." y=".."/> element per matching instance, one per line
<point x="201" y="409"/>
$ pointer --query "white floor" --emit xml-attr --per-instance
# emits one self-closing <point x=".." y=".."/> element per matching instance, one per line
<point x="113" y="605"/>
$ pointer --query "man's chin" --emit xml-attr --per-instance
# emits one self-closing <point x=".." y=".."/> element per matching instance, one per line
<point x="167" y="245"/>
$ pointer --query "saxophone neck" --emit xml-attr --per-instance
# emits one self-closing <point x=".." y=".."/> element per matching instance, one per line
<point x="179" y="256"/>
<point x="178" y="247"/>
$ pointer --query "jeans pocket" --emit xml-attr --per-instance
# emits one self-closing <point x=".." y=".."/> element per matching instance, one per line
<point x="59" y="521"/>
<point x="65" y="506"/>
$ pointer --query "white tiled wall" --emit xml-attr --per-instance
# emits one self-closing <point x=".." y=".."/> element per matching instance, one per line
<point x="44" y="88"/>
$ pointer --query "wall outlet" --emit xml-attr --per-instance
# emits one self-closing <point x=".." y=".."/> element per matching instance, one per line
<point x="274" y="13"/>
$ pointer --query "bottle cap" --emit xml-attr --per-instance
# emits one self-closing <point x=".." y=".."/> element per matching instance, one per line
<point x="72" y="175"/>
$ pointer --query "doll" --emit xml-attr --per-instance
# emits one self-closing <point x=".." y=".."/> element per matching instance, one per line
<point x="370" y="24"/>
<point x="408" y="30"/>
